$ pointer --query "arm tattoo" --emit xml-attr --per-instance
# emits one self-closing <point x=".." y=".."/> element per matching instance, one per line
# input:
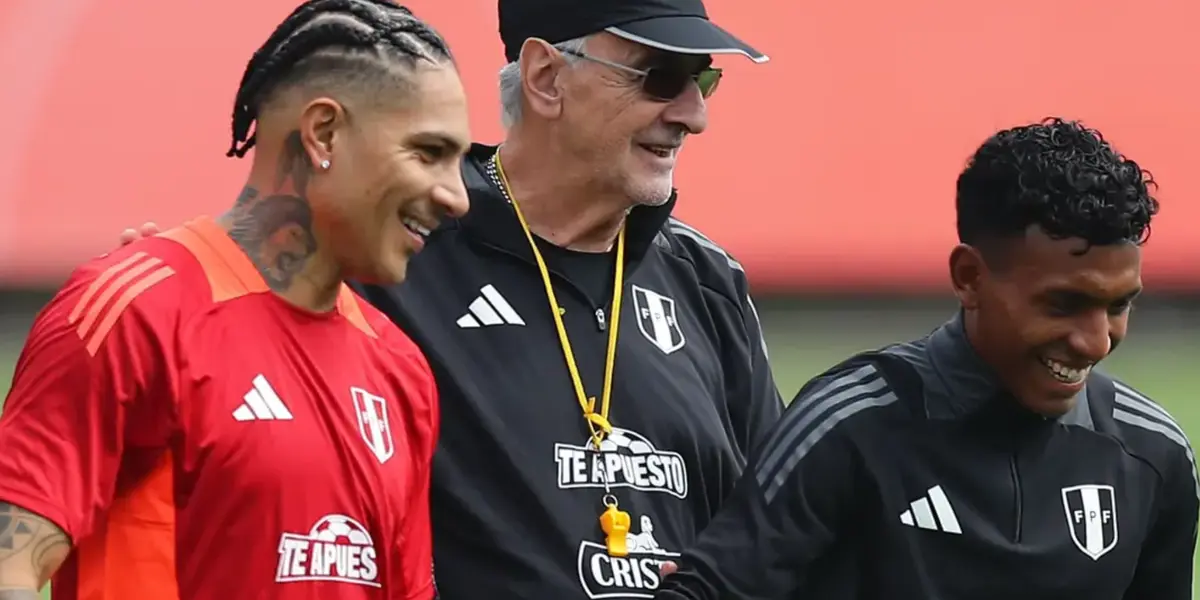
<point x="276" y="232"/>
<point x="31" y="549"/>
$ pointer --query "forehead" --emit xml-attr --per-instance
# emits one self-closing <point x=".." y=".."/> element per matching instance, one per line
<point x="435" y="104"/>
<point x="1044" y="263"/>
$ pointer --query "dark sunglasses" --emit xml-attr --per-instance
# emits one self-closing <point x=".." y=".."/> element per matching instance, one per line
<point x="663" y="83"/>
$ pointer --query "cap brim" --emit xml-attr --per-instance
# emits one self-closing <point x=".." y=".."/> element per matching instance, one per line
<point x="686" y="35"/>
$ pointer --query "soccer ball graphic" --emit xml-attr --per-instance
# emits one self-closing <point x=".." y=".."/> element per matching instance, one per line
<point x="630" y="441"/>
<point x="340" y="529"/>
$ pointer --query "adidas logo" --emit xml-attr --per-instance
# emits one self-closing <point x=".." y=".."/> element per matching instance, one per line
<point x="262" y="404"/>
<point x="921" y="513"/>
<point x="489" y="308"/>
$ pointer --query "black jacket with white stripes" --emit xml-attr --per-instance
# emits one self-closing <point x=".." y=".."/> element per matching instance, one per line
<point x="516" y="498"/>
<point x="905" y="474"/>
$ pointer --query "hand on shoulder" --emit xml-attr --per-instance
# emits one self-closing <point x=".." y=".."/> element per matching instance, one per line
<point x="132" y="235"/>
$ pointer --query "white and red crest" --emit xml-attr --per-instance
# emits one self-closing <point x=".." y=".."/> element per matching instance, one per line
<point x="373" y="423"/>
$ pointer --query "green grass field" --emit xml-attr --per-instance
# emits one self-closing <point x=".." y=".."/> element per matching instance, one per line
<point x="1161" y="356"/>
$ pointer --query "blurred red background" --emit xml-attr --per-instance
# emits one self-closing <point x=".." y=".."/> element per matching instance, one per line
<point x="830" y="167"/>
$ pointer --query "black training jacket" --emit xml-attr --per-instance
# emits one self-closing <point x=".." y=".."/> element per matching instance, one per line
<point x="905" y="474"/>
<point x="516" y="498"/>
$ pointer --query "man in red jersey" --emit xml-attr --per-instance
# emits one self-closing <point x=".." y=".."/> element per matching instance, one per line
<point x="211" y="413"/>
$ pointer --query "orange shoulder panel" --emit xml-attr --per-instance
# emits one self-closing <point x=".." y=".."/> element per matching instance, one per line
<point x="348" y="305"/>
<point x="229" y="271"/>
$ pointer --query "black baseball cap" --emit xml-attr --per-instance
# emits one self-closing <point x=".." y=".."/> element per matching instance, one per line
<point x="680" y="26"/>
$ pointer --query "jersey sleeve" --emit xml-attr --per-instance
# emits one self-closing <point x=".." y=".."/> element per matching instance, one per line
<point x="91" y="356"/>
<point x="756" y="409"/>
<point x="417" y="538"/>
<point x="751" y="396"/>
<point x="1165" y="568"/>
<point x="789" y="505"/>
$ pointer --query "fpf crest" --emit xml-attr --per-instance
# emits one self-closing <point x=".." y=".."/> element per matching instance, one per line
<point x="373" y="423"/>
<point x="1091" y="512"/>
<point x="657" y="320"/>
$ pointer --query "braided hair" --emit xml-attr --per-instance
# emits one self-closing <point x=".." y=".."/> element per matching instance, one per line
<point x="330" y="37"/>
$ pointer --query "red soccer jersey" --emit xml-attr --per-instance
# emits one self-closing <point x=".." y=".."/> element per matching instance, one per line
<point x="201" y="439"/>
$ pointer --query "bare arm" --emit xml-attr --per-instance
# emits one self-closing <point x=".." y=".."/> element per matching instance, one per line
<point x="31" y="550"/>
<point x="70" y="408"/>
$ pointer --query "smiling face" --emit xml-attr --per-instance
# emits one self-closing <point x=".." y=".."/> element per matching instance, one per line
<point x="1044" y="311"/>
<point x="1051" y="219"/>
<point x="398" y="172"/>
<point x="631" y="137"/>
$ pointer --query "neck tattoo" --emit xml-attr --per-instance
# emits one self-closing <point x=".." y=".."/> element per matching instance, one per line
<point x="276" y="232"/>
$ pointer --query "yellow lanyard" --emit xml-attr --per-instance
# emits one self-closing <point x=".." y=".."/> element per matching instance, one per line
<point x="614" y="522"/>
<point x="598" y="423"/>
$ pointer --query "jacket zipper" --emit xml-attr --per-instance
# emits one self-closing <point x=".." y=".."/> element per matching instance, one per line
<point x="1017" y="500"/>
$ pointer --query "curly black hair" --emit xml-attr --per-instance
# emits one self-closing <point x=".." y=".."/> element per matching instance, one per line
<point x="1057" y="175"/>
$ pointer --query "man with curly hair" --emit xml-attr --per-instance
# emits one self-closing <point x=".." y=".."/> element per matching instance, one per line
<point x="989" y="459"/>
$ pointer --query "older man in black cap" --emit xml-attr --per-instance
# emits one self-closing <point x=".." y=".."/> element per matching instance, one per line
<point x="600" y="365"/>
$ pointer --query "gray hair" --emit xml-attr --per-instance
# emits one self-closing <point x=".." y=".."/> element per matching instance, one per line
<point x="510" y="81"/>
